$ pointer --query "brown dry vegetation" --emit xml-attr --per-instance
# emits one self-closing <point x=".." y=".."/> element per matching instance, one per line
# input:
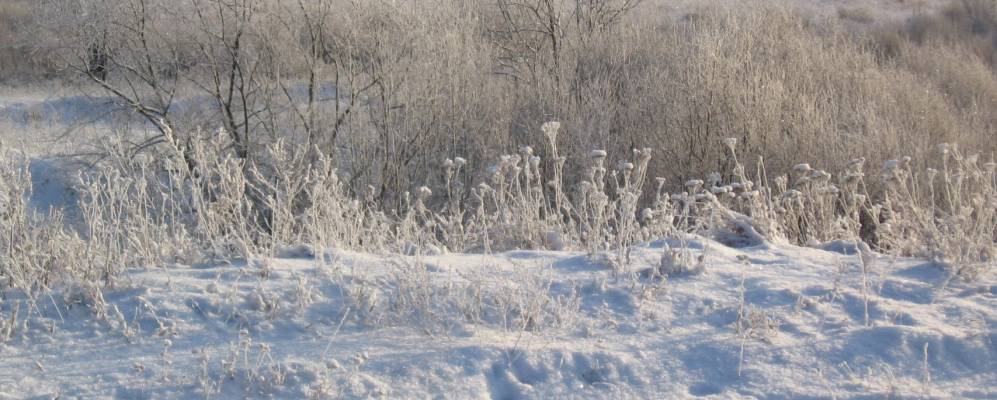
<point x="452" y="78"/>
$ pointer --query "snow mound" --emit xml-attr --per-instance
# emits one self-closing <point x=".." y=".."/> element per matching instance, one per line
<point x="757" y="321"/>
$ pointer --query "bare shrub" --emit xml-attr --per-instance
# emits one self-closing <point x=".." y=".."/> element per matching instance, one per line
<point x="386" y="91"/>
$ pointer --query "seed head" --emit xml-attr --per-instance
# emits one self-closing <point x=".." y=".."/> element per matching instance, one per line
<point x="423" y="192"/>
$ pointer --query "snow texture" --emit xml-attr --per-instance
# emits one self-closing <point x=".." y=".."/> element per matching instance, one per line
<point x="338" y="325"/>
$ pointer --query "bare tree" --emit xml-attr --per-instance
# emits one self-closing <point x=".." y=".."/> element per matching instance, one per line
<point x="327" y="57"/>
<point x="119" y="46"/>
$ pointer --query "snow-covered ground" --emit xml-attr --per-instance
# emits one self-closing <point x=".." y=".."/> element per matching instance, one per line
<point x="521" y="324"/>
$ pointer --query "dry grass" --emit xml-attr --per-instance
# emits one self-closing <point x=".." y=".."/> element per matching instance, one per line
<point x="789" y="86"/>
<point x="200" y="202"/>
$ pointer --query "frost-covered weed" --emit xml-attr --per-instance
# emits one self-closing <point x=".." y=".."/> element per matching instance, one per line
<point x="679" y="261"/>
<point x="37" y="251"/>
<point x="197" y="200"/>
<point x="948" y="215"/>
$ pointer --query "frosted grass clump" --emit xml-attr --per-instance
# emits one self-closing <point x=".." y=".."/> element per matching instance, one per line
<point x="198" y="201"/>
<point x="676" y="262"/>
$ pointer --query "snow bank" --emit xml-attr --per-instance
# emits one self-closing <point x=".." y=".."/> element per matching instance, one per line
<point x="770" y="320"/>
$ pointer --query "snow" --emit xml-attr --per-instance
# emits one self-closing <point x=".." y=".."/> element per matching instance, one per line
<point x="358" y="325"/>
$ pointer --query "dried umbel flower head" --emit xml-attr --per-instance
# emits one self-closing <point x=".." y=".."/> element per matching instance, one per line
<point x="527" y="150"/>
<point x="598" y="154"/>
<point x="423" y="193"/>
<point x="625" y="166"/>
<point x="802" y="168"/>
<point x="731" y="143"/>
<point x="448" y="164"/>
<point x="460" y="162"/>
